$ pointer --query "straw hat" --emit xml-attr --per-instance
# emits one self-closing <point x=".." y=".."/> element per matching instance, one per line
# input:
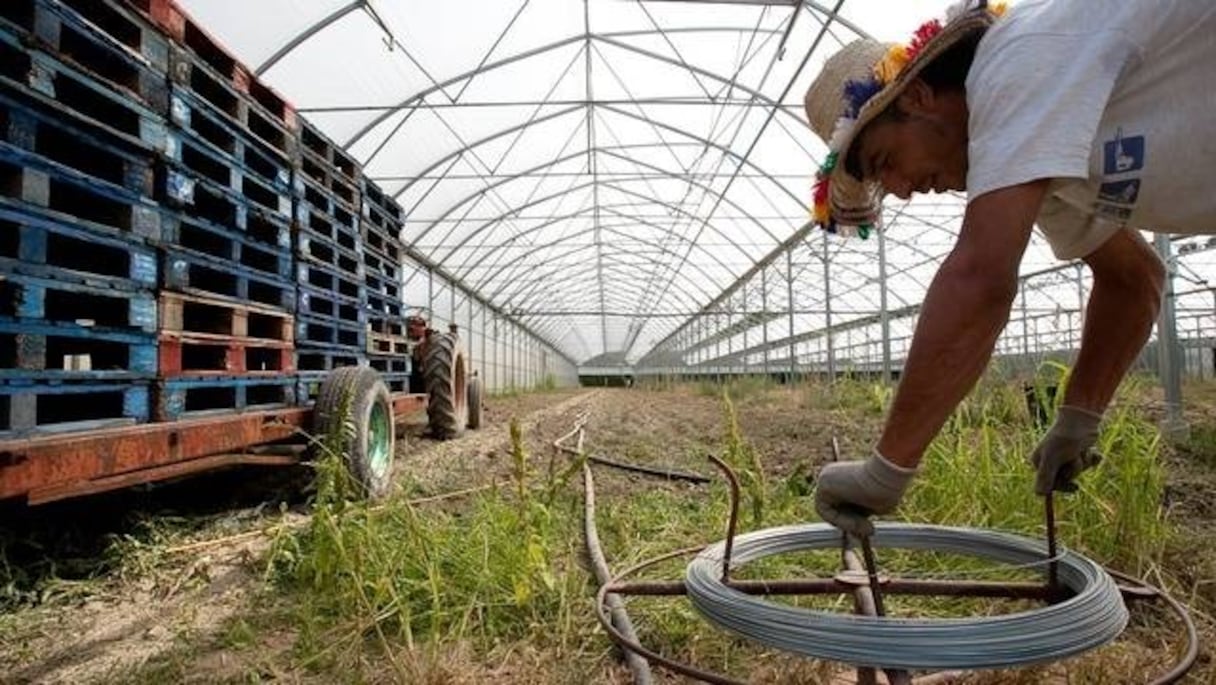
<point x="856" y="85"/>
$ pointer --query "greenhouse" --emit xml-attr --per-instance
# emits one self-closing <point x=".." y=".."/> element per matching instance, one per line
<point x="839" y="342"/>
<point x="628" y="183"/>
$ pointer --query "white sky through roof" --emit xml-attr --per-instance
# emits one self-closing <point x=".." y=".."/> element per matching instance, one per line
<point x="601" y="170"/>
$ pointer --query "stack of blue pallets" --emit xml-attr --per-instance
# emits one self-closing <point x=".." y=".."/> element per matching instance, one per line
<point x="82" y="91"/>
<point x="380" y="229"/>
<point x="331" y="317"/>
<point x="227" y="270"/>
<point x="173" y="241"/>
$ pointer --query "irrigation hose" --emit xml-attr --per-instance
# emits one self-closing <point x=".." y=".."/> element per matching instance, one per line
<point x="1094" y="616"/>
<point x="638" y="665"/>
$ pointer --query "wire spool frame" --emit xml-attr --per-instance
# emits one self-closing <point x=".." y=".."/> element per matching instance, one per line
<point x="1093" y="616"/>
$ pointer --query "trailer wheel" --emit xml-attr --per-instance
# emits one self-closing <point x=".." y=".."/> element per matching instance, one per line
<point x="443" y="367"/>
<point x="475" y="403"/>
<point x="354" y="403"/>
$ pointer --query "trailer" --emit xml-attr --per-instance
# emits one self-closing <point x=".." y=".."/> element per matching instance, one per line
<point x="353" y="402"/>
<point x="191" y="275"/>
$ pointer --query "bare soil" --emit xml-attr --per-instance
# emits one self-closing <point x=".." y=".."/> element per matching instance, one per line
<point x="118" y="621"/>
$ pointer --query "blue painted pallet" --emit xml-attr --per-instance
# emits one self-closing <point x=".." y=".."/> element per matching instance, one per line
<point x="262" y="251"/>
<point x="375" y="263"/>
<point x="33" y="182"/>
<point x="330" y="332"/>
<point x="272" y="126"/>
<point x="191" y="272"/>
<point x="100" y="37"/>
<point x="208" y="200"/>
<point x="29" y="407"/>
<point x="84" y="149"/>
<point x="385" y="287"/>
<point x="190" y="117"/>
<point x="340" y="228"/>
<point x="311" y="358"/>
<point x="379" y="306"/>
<point x="327" y="201"/>
<point x="390" y="364"/>
<point x="316" y="249"/>
<point x="396" y="382"/>
<point x="325" y="305"/>
<point x="387" y="324"/>
<point x="377" y="241"/>
<point x="325" y="279"/>
<point x="42" y="350"/>
<point x="33" y="243"/>
<point x="41" y="77"/>
<point x="328" y="165"/>
<point x="382" y="210"/>
<point x="179" y="398"/>
<point x="204" y="162"/>
<point x="44" y="298"/>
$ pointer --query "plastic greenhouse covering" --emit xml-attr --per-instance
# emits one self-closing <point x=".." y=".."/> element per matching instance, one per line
<point x="628" y="181"/>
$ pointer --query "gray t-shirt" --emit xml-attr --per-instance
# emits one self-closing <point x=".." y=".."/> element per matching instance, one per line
<point x="1113" y="99"/>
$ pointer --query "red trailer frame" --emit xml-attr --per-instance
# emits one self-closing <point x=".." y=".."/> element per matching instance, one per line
<point x="46" y="468"/>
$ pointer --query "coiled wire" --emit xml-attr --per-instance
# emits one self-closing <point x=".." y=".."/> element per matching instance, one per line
<point x="1094" y="616"/>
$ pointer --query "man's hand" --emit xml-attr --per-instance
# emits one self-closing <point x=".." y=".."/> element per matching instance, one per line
<point x="848" y="492"/>
<point x="1066" y="450"/>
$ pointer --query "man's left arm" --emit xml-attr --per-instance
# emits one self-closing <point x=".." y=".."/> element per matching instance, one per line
<point x="964" y="312"/>
<point x="1128" y="282"/>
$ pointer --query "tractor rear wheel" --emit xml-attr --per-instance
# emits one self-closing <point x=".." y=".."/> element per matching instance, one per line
<point x="475" y="403"/>
<point x="444" y="369"/>
<point x="354" y="413"/>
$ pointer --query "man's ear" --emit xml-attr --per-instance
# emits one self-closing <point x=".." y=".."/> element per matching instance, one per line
<point x="918" y="98"/>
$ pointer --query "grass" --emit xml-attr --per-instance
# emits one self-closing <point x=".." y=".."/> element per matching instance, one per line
<point x="396" y="592"/>
<point x="507" y="567"/>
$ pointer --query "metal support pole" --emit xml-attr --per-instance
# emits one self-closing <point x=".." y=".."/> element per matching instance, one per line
<point x="764" y="308"/>
<point x="883" y="314"/>
<point x="789" y="286"/>
<point x="1168" y="350"/>
<point x="827" y="309"/>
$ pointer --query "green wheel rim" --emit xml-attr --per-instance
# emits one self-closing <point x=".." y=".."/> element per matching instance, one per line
<point x="378" y="454"/>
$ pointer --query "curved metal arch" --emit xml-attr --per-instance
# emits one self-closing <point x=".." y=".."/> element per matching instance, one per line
<point x="608" y="38"/>
<point x="500" y="268"/>
<point x="495" y="221"/>
<point x="608" y="150"/>
<point x="626" y="191"/>
<point x="685" y="293"/>
<point x="525" y="296"/>
<point x="549" y="222"/>
<point x="301" y="37"/>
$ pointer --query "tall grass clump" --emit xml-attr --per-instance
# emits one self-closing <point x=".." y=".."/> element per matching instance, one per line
<point x="977" y="473"/>
<point x="745" y="462"/>
<point x="399" y="575"/>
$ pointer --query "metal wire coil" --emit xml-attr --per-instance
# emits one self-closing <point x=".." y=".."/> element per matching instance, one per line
<point x="1094" y="616"/>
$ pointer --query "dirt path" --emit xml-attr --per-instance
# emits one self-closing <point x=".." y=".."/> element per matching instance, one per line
<point x="188" y="597"/>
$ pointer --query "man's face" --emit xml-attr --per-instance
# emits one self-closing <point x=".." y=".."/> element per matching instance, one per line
<point x="923" y="150"/>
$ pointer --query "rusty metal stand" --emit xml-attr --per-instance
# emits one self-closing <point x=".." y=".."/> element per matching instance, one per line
<point x="861" y="579"/>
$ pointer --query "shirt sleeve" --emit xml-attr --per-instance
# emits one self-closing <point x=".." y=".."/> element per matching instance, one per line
<point x="1035" y="101"/>
<point x="1072" y="233"/>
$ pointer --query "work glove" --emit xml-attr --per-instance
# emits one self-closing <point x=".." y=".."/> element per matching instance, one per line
<point x="1066" y="450"/>
<point x="849" y="492"/>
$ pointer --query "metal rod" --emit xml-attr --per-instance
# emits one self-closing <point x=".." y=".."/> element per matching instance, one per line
<point x="734" y="515"/>
<point x="867" y="551"/>
<point x="1053" y="571"/>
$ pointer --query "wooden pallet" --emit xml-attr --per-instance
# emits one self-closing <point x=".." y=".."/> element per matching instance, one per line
<point x="196" y="315"/>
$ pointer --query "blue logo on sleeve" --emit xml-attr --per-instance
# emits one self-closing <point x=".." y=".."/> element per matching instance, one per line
<point x="1120" y="192"/>
<point x="1122" y="155"/>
